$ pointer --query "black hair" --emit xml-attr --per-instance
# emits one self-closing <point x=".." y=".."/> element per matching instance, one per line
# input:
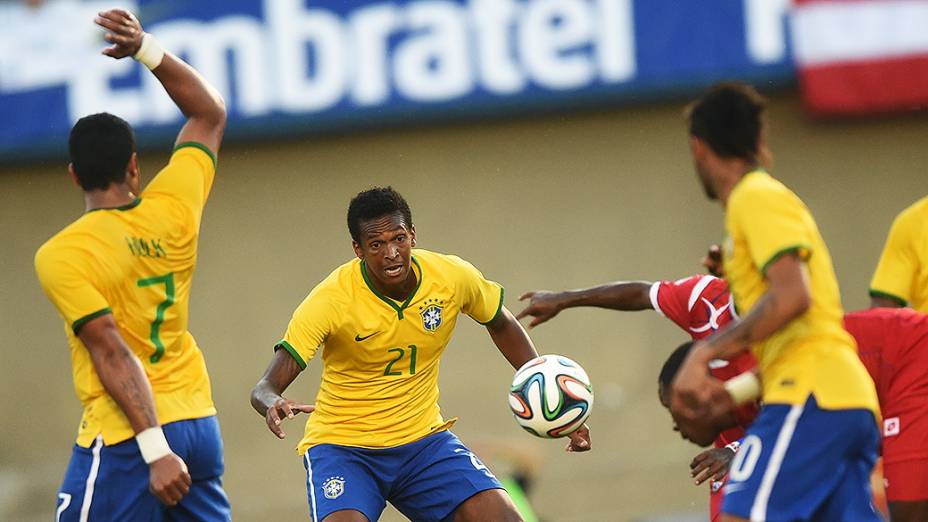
<point x="672" y="364"/>
<point x="729" y="117"/>
<point x="100" y="146"/>
<point x="374" y="203"/>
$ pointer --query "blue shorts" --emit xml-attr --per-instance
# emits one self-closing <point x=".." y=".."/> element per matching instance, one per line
<point x="800" y="462"/>
<point x="111" y="482"/>
<point x="425" y="480"/>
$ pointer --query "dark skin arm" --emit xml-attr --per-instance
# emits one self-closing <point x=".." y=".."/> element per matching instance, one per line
<point x="516" y="346"/>
<point x="787" y="298"/>
<point x="198" y="100"/>
<point x="124" y="379"/>
<point x="621" y="295"/>
<point x="266" y="396"/>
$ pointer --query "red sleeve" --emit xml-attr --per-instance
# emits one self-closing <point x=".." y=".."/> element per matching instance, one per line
<point x="699" y="304"/>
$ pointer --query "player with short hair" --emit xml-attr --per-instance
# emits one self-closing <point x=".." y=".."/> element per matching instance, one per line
<point x="901" y="277"/>
<point x="376" y="433"/>
<point x="820" y="408"/>
<point x="120" y="277"/>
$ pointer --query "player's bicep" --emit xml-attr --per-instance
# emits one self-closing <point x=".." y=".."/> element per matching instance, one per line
<point x="206" y="132"/>
<point x="101" y="337"/>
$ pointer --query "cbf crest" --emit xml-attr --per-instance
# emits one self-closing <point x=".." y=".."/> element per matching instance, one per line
<point x="333" y="487"/>
<point x="431" y="312"/>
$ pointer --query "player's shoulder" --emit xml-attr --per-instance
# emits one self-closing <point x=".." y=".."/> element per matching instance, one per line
<point x="915" y="215"/>
<point x="446" y="264"/>
<point x="67" y="241"/>
<point x="341" y="281"/>
<point x="758" y="185"/>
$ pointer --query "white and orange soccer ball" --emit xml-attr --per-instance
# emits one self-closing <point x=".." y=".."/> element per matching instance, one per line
<point x="551" y="396"/>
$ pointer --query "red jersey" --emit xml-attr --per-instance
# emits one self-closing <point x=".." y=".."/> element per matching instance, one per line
<point x="893" y="345"/>
<point x="701" y="305"/>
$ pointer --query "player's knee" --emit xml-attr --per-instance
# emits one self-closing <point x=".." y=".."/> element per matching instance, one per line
<point x="493" y="504"/>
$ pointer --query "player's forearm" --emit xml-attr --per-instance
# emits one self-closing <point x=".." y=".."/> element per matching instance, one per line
<point x="626" y="296"/>
<point x="511" y="339"/>
<point x="192" y="94"/>
<point x="122" y="375"/>
<point x="263" y="396"/>
<point x="278" y="376"/>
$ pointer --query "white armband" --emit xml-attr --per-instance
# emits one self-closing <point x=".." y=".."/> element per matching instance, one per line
<point x="743" y="388"/>
<point x="152" y="444"/>
<point x="150" y="53"/>
<point x="734" y="446"/>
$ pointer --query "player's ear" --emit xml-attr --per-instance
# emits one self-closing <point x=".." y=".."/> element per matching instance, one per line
<point x="412" y="235"/>
<point x="697" y="147"/>
<point x="357" y="249"/>
<point x="73" y="175"/>
<point x="132" y="168"/>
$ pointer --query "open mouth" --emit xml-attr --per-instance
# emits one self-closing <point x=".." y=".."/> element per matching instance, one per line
<point x="393" y="271"/>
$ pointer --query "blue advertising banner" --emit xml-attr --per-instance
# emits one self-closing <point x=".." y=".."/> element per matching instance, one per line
<point x="288" y="67"/>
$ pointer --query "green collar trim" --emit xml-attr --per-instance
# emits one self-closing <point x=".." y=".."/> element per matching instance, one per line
<point x="399" y="308"/>
<point x="128" y="206"/>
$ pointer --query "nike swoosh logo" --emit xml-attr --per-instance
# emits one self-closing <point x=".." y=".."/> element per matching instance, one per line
<point x="358" y="338"/>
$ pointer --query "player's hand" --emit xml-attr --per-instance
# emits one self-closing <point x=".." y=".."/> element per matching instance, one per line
<point x="123" y="30"/>
<point x="168" y="479"/>
<point x="543" y="305"/>
<point x="580" y="439"/>
<point x="713" y="261"/>
<point x="284" y="409"/>
<point x="712" y="464"/>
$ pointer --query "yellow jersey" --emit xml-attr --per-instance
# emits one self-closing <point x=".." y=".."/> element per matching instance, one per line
<point x="137" y="263"/>
<point x="902" y="273"/>
<point x="380" y="357"/>
<point x="813" y="354"/>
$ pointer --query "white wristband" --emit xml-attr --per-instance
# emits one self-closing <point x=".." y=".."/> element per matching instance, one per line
<point x="150" y="53"/>
<point x="743" y="388"/>
<point x="734" y="446"/>
<point x="152" y="444"/>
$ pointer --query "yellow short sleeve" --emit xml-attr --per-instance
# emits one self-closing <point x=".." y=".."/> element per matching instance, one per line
<point x="188" y="177"/>
<point x="312" y="322"/>
<point x="481" y="299"/>
<point x="66" y="286"/>
<point x="898" y="264"/>
<point x="773" y="222"/>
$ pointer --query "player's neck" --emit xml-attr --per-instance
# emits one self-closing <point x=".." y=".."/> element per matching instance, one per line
<point x="730" y="174"/>
<point x="115" y="196"/>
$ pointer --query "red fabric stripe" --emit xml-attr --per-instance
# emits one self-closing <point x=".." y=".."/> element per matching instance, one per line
<point x="867" y="86"/>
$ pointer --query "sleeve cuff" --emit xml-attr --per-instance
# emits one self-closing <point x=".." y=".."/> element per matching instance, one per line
<point x="803" y="250"/>
<point x="499" y="308"/>
<point x="891" y="297"/>
<point x="198" y="145"/>
<point x="76" y="325"/>
<point x="652" y="293"/>
<point x="292" y="351"/>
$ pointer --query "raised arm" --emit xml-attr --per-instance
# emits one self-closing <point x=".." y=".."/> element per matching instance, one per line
<point x="266" y="396"/>
<point x="626" y="296"/>
<point x="197" y="99"/>
<point x="124" y="380"/>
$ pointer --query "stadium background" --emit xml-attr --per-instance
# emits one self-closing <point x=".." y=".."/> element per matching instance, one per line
<point x="563" y="198"/>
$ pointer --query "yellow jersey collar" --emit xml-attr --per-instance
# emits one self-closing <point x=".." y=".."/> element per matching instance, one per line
<point x="393" y="304"/>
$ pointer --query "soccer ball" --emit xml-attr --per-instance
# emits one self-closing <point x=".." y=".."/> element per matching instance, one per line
<point x="551" y="396"/>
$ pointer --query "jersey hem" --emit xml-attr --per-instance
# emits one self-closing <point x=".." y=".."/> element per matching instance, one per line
<point x="887" y="295"/>
<point x="198" y="145"/>
<point x="782" y="252"/>
<point x="293" y="353"/>
<point x="76" y="325"/>
<point x="499" y="308"/>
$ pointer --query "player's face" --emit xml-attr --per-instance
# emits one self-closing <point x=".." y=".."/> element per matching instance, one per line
<point x="663" y="394"/>
<point x="700" y="153"/>
<point x="386" y="247"/>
